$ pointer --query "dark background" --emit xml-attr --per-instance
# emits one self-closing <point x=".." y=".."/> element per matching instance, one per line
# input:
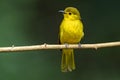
<point x="31" y="22"/>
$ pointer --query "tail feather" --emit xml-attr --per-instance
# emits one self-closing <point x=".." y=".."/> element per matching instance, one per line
<point x="67" y="63"/>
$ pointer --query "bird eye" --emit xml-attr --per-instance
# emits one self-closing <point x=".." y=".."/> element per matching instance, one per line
<point x="70" y="13"/>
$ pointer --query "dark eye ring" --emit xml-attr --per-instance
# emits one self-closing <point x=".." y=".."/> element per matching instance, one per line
<point x="70" y="13"/>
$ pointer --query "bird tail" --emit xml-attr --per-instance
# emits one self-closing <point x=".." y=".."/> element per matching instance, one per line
<point x="67" y="63"/>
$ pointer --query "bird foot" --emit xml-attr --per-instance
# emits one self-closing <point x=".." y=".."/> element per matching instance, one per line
<point x="79" y="45"/>
<point x="66" y="45"/>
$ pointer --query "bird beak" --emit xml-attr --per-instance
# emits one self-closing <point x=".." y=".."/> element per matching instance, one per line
<point x="61" y="11"/>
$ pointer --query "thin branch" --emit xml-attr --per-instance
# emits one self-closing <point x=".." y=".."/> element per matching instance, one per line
<point x="57" y="46"/>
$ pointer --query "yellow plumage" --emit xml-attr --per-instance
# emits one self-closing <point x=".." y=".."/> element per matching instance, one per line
<point x="71" y="32"/>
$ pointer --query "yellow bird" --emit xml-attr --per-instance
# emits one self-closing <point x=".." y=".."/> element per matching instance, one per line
<point x="71" y="32"/>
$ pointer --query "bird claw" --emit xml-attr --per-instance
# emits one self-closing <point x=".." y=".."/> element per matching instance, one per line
<point x="66" y="45"/>
<point x="79" y="45"/>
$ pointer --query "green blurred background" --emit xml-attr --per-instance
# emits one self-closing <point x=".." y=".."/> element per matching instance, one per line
<point x="31" y="22"/>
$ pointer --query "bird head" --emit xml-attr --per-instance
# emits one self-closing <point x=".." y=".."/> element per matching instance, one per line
<point x="71" y="13"/>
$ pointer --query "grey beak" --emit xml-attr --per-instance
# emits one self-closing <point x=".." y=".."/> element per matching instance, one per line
<point x="62" y="11"/>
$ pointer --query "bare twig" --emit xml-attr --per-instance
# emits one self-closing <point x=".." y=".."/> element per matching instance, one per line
<point x="57" y="46"/>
